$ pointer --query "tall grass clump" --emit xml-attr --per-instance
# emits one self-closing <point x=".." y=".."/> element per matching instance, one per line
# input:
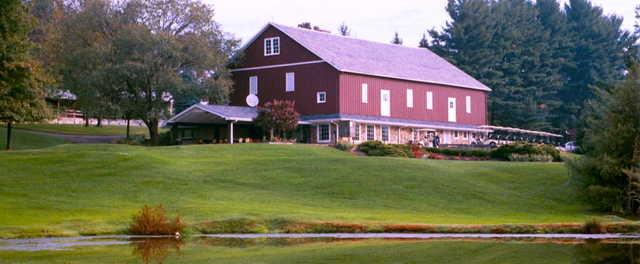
<point x="154" y="221"/>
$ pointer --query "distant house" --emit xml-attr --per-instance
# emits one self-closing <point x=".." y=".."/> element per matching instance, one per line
<point x="345" y="89"/>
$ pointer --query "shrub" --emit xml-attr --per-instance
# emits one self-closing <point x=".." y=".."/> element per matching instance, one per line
<point x="343" y="145"/>
<point x="478" y="153"/>
<point x="165" y="139"/>
<point x="506" y="152"/>
<point x="154" y="221"/>
<point x="594" y="226"/>
<point x="377" y="148"/>
<point x="530" y="157"/>
<point x="604" y="198"/>
<point x="234" y="225"/>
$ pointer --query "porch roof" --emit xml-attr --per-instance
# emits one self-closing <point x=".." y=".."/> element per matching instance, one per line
<point x="214" y="114"/>
<point x="393" y="122"/>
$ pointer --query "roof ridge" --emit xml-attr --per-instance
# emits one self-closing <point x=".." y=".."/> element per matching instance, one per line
<point x="347" y="37"/>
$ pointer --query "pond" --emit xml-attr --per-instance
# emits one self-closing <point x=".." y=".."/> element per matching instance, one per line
<point x="344" y="248"/>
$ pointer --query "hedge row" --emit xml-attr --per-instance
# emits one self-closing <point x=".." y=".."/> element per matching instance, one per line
<point x="511" y="152"/>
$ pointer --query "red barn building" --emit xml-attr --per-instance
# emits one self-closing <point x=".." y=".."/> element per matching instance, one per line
<point x="346" y="89"/>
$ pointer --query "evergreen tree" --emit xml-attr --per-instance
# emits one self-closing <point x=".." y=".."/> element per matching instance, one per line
<point x="542" y="63"/>
<point x="424" y="42"/>
<point x="21" y="80"/>
<point x="598" y="58"/>
<point x="344" y="30"/>
<point x="396" y="39"/>
<point x="612" y="145"/>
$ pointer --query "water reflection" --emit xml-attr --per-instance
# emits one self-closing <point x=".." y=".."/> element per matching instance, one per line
<point x="156" y="250"/>
<point x="614" y="253"/>
<point x="585" y="251"/>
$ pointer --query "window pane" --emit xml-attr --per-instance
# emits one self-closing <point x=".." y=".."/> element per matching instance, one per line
<point x="356" y="131"/>
<point x="409" y="98"/>
<point x="323" y="132"/>
<point x="370" y="133"/>
<point x="365" y="93"/>
<point x="385" y="133"/>
<point x="253" y="85"/>
<point x="468" y="103"/>
<point x="276" y="46"/>
<point x="290" y="80"/>
<point x="430" y="100"/>
<point x="267" y="47"/>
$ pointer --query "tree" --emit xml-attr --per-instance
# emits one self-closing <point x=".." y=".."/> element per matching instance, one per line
<point x="424" y="42"/>
<point x="396" y="39"/>
<point x="279" y="117"/>
<point x="85" y="56"/>
<point x="612" y="145"/>
<point x="599" y="57"/>
<point x="541" y="62"/>
<point x="306" y="25"/>
<point x="21" y="80"/>
<point x="344" y="30"/>
<point x="159" y="43"/>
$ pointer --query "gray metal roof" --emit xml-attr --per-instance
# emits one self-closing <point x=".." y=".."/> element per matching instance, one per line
<point x="206" y="113"/>
<point x="348" y="54"/>
<point x="232" y="112"/>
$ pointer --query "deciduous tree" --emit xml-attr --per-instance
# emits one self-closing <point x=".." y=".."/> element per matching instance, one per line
<point x="279" y="117"/>
<point x="21" y="79"/>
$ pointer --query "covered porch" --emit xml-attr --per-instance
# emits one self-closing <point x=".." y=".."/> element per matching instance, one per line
<point x="215" y="124"/>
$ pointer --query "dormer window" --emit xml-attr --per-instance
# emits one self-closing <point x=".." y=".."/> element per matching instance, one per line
<point x="271" y="46"/>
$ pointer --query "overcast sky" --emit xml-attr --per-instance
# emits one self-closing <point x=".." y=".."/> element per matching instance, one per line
<point x="373" y="20"/>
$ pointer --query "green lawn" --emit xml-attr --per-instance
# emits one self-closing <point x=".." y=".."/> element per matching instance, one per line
<point x="82" y="130"/>
<point x="21" y="139"/>
<point x="72" y="189"/>
<point x="375" y="251"/>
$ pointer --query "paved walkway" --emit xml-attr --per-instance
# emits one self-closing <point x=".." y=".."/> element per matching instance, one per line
<point x="79" y="139"/>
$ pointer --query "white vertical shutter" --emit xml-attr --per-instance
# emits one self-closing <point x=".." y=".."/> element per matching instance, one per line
<point x="468" y="104"/>
<point x="290" y="81"/>
<point x="365" y="93"/>
<point x="409" y="98"/>
<point x="253" y="85"/>
<point x="430" y="100"/>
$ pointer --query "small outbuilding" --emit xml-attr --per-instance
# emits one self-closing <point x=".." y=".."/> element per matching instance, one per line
<point x="204" y="123"/>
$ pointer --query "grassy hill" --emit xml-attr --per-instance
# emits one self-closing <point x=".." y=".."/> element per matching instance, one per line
<point x="71" y="189"/>
<point x="82" y="130"/>
<point x="21" y="139"/>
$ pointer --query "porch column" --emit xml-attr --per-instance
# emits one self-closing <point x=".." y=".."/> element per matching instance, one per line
<point x="231" y="132"/>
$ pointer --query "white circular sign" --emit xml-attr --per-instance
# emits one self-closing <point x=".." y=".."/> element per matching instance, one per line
<point x="252" y="100"/>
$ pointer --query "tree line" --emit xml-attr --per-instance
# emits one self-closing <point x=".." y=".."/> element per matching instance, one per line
<point x="542" y="60"/>
<point x="129" y="59"/>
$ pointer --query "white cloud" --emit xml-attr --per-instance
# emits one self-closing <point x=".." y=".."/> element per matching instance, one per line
<point x="372" y="20"/>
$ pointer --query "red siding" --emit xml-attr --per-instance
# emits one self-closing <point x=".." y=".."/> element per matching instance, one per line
<point x="290" y="51"/>
<point x="351" y="103"/>
<point x="309" y="79"/>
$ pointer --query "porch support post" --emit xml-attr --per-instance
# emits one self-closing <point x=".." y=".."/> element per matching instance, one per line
<point x="231" y="132"/>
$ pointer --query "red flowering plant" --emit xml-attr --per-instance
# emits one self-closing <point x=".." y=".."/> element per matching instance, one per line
<point x="279" y="117"/>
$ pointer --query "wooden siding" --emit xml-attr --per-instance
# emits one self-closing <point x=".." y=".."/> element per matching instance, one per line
<point x="350" y="103"/>
<point x="290" y="51"/>
<point x="309" y="79"/>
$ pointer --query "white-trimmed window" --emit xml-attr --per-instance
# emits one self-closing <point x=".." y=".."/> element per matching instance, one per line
<point x="290" y="79"/>
<point x="468" y="104"/>
<point x="324" y="134"/>
<point x="271" y="46"/>
<point x="321" y="97"/>
<point x="385" y="133"/>
<point x="253" y="85"/>
<point x="429" y="100"/>
<point x="356" y="132"/>
<point x="364" y="91"/>
<point x="371" y="133"/>
<point x="409" y="98"/>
